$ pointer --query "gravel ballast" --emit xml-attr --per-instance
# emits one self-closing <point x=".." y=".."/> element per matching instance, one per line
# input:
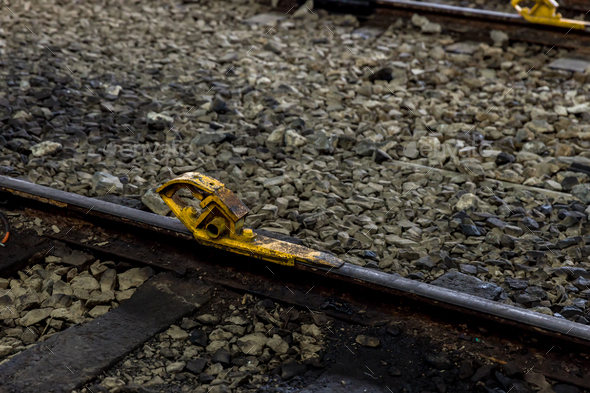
<point x="305" y="120"/>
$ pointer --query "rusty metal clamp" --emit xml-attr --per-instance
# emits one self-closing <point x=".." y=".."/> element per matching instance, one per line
<point x="221" y="223"/>
<point x="545" y="12"/>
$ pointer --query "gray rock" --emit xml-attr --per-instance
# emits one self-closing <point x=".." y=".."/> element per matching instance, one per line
<point x="5" y="350"/>
<point x="112" y="92"/>
<point x="228" y="58"/>
<point x="431" y="28"/>
<point x="277" y="344"/>
<point x="582" y="191"/>
<point x="176" y="333"/>
<point x="571" y="311"/>
<point x="292" y="138"/>
<point x="6" y="300"/>
<point x="365" y="148"/>
<point x="468" y="269"/>
<point x="28" y="300"/>
<point x="79" y="259"/>
<point x="87" y="283"/>
<point x="221" y="356"/>
<point x="134" y="277"/>
<point x="196" y="366"/>
<point x="470" y="285"/>
<point x="472" y="230"/>
<point x="516" y="284"/>
<point x="57" y="301"/>
<point x="324" y="143"/>
<point x="252" y="344"/>
<point x="207" y="138"/>
<point x="425" y="263"/>
<point x="418" y="20"/>
<point x="35" y="316"/>
<point x="379" y="156"/>
<point x="499" y="37"/>
<point x="155" y="202"/>
<point x="367" y="341"/>
<point x="276" y="137"/>
<point x="175" y="367"/>
<point x="272" y="46"/>
<point x="579" y="108"/>
<point x="219" y="106"/>
<point x="159" y="121"/>
<point x="208" y="319"/>
<point x="108" y="280"/>
<point x="104" y="183"/>
<point x="469" y="201"/>
<point x="199" y="337"/>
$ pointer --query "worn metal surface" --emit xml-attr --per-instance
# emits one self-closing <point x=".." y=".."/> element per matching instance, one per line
<point x="545" y="12"/>
<point x="75" y="356"/>
<point x="84" y="205"/>
<point x="467" y="302"/>
<point x="451" y="10"/>
<point x="221" y="223"/>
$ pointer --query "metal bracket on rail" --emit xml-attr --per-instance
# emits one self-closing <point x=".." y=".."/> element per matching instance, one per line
<point x="545" y="12"/>
<point x="221" y="223"/>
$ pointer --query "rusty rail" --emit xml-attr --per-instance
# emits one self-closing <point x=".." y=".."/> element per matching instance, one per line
<point x="395" y="284"/>
<point x="164" y="243"/>
<point x="472" y="22"/>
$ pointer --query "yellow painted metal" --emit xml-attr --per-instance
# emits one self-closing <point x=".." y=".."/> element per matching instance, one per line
<point x="221" y="223"/>
<point x="545" y="12"/>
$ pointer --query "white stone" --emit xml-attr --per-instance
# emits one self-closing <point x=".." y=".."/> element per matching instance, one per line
<point x="292" y="138"/>
<point x="177" y="333"/>
<point x="580" y="108"/>
<point x="5" y="350"/>
<point x="45" y="148"/>
<point x="153" y="116"/>
<point x="431" y="28"/>
<point x="499" y="37"/>
<point x="175" y="367"/>
<point x="419" y="21"/>
<point x="277" y="136"/>
<point x="468" y="201"/>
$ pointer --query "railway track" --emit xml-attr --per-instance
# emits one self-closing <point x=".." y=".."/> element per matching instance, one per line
<point x="475" y="23"/>
<point x="353" y="295"/>
<point x="570" y="8"/>
<point x="344" y="327"/>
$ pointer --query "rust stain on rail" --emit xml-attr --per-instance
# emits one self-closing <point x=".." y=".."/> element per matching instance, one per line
<point x="36" y="198"/>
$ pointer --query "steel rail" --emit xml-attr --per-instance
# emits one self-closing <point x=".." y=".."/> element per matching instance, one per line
<point x="452" y="10"/>
<point x="470" y="22"/>
<point x="565" y="329"/>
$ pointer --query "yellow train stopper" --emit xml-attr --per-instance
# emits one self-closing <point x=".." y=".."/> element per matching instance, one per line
<point x="221" y="223"/>
<point x="545" y="12"/>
